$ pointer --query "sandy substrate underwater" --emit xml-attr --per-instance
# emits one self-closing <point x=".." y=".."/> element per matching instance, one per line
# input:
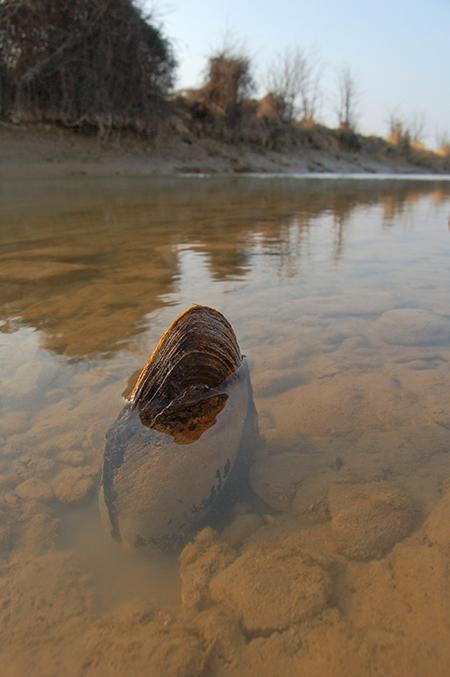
<point x="340" y="566"/>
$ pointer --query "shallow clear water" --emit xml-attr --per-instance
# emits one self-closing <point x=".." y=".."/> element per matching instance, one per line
<point x="337" y="562"/>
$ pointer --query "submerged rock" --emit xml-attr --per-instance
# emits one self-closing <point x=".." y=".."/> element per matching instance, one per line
<point x="199" y="562"/>
<point x="271" y="587"/>
<point x="73" y="485"/>
<point x="34" y="488"/>
<point x="367" y="520"/>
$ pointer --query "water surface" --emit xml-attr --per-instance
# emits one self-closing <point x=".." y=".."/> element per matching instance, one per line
<point x="337" y="563"/>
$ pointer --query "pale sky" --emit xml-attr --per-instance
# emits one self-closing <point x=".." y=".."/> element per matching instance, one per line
<point x="398" y="50"/>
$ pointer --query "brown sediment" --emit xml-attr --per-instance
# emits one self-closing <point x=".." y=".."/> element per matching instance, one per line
<point x="73" y="485"/>
<point x="271" y="587"/>
<point x="368" y="520"/>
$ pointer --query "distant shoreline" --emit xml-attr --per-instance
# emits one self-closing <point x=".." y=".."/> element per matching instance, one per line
<point x="47" y="151"/>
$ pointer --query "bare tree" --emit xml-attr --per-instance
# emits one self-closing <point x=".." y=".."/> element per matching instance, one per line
<point x="311" y="89"/>
<point x="348" y="97"/>
<point x="294" y="79"/>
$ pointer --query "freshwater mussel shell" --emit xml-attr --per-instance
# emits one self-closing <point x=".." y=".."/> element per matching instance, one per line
<point x="184" y="436"/>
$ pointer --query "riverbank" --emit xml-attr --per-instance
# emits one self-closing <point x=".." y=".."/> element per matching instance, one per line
<point x="48" y="151"/>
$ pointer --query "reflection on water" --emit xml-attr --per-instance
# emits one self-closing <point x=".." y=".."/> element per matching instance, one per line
<point x="338" y="562"/>
<point x="86" y="265"/>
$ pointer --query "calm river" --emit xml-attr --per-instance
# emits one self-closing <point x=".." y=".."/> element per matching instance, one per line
<point x="336" y="561"/>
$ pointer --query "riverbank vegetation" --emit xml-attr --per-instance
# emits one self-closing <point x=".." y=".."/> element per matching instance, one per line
<point x="87" y="64"/>
<point x="104" y="67"/>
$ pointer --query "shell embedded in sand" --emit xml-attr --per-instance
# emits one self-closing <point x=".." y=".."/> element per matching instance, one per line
<point x="180" y="438"/>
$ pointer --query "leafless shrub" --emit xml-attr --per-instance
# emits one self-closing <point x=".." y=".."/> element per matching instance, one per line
<point x="348" y="97"/>
<point x="90" y="62"/>
<point x="228" y="81"/>
<point x="294" y="80"/>
<point x="398" y="131"/>
<point x="443" y="144"/>
<point x="272" y="108"/>
<point x="406" y="134"/>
